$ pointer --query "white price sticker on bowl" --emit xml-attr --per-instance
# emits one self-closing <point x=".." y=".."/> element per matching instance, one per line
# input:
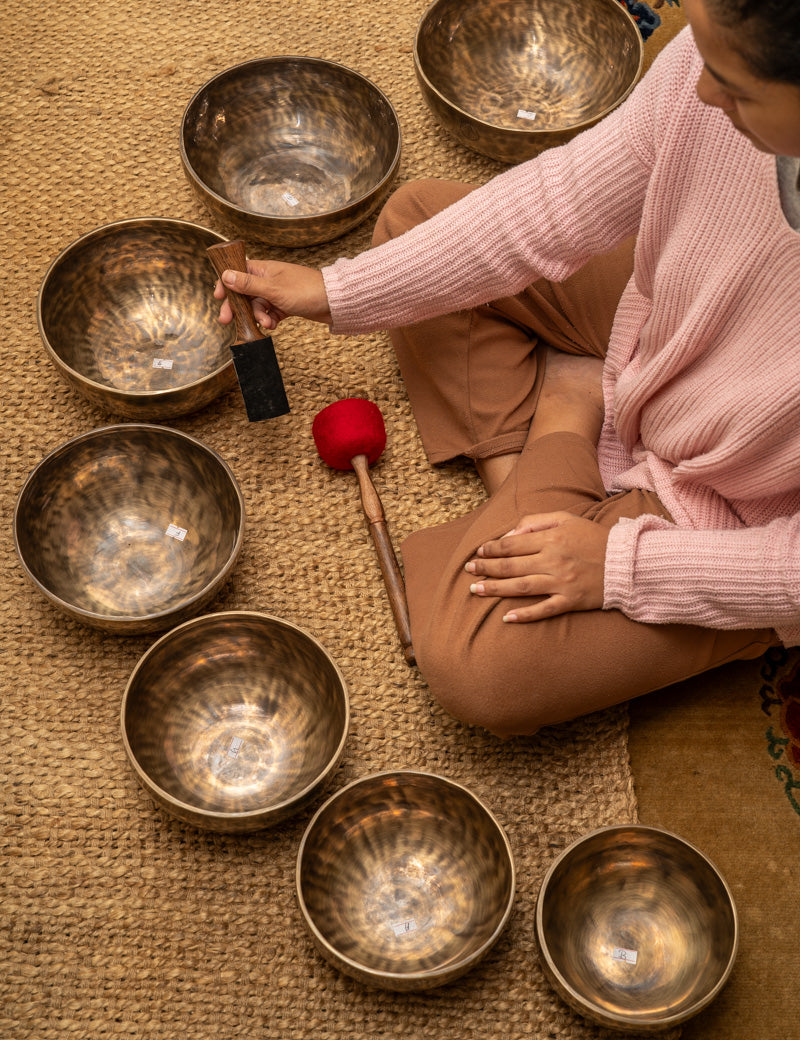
<point x="403" y="927"/>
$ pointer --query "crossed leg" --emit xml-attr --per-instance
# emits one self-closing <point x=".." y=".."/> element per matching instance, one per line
<point x="570" y="401"/>
<point x="515" y="386"/>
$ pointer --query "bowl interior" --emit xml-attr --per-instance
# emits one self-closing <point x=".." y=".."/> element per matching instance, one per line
<point x="129" y="521"/>
<point x="290" y="137"/>
<point x="131" y="306"/>
<point x="529" y="65"/>
<point x="233" y="713"/>
<point x="637" y="924"/>
<point x="405" y="873"/>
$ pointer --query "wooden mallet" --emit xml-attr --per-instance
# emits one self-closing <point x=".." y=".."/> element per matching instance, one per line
<point x="350" y="434"/>
<point x="254" y="359"/>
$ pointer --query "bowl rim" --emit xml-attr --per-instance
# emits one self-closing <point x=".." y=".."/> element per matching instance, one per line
<point x="589" y="1007"/>
<point x="358" y="967"/>
<point x="280" y="220"/>
<point x="92" y="617"/>
<point x="249" y="814"/>
<point x="527" y="132"/>
<point x="114" y="392"/>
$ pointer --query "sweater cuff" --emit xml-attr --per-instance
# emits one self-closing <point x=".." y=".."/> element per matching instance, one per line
<point x="658" y="573"/>
<point x="332" y="289"/>
<point x="621" y="565"/>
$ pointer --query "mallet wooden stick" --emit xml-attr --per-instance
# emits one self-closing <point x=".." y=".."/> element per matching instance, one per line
<point x="350" y="434"/>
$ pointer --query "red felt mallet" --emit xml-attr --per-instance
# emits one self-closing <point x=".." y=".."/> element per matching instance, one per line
<point x="350" y="434"/>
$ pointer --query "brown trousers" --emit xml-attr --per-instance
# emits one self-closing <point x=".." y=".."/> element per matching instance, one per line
<point x="473" y="379"/>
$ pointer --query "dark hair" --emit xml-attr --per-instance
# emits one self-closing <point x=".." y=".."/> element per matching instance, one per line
<point x="771" y="33"/>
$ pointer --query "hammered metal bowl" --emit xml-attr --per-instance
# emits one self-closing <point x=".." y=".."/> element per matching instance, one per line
<point x="130" y="528"/>
<point x="127" y="315"/>
<point x="235" y="721"/>
<point x="638" y="930"/>
<point x="509" y="78"/>
<point x="290" y="150"/>
<point x="405" y="880"/>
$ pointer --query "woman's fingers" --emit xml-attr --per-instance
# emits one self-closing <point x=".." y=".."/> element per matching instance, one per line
<point x="534" y="523"/>
<point x="278" y="290"/>
<point x="264" y="315"/>
<point x="548" y="606"/>
<point x="557" y="560"/>
<point x="525" y="584"/>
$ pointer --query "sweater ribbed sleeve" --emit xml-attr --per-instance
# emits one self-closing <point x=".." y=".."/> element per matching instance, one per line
<point x="535" y="220"/>
<point x="748" y="578"/>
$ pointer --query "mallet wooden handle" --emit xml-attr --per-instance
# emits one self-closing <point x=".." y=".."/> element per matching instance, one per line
<point x="390" y="568"/>
<point x="232" y="256"/>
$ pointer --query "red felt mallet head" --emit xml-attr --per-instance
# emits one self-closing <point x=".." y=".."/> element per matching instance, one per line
<point x="346" y="428"/>
<point x="350" y="434"/>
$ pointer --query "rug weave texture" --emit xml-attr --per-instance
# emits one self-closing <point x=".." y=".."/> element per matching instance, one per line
<point x="117" y="920"/>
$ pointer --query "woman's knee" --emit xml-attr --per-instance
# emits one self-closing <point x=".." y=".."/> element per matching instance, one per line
<point x="483" y="691"/>
<point x="404" y="209"/>
<point x="412" y="204"/>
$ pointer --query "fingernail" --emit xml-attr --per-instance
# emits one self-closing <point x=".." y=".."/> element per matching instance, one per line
<point x="229" y="277"/>
<point x="470" y="567"/>
<point x="478" y="589"/>
<point x="510" y="617"/>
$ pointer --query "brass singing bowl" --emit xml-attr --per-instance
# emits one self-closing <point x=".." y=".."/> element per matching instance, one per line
<point x="405" y="880"/>
<point x="509" y="78"/>
<point x="235" y="721"/>
<point x="290" y="150"/>
<point x="638" y="930"/>
<point x="128" y="318"/>
<point x="130" y="528"/>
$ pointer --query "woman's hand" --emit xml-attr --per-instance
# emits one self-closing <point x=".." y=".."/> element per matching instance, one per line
<point x="555" y="558"/>
<point x="277" y="291"/>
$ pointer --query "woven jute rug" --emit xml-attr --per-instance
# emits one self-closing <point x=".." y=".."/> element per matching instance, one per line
<point x="115" y="920"/>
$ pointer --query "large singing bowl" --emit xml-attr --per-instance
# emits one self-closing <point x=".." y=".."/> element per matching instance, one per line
<point x="235" y="721"/>
<point x="128" y="318"/>
<point x="130" y="528"/>
<point x="405" y="880"/>
<point x="290" y="150"/>
<point x="637" y="928"/>
<point x="509" y="78"/>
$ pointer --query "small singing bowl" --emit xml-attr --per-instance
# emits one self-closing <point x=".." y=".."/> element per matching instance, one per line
<point x="235" y="721"/>
<point x="509" y="78"/>
<point x="637" y="929"/>
<point x="405" y="880"/>
<point x="128" y="318"/>
<point x="290" y="150"/>
<point x="130" y="528"/>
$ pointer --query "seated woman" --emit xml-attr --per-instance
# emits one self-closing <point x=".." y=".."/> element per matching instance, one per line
<point x="612" y="332"/>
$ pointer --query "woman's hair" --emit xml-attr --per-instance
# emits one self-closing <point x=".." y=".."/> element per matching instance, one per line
<point x="770" y="35"/>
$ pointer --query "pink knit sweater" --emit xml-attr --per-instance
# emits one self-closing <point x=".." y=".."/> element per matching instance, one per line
<point x="702" y="379"/>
